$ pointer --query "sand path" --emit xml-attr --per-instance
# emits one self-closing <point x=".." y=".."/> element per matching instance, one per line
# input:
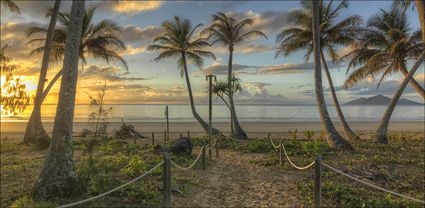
<point x="232" y="181"/>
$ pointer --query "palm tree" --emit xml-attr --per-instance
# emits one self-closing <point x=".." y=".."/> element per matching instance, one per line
<point x="420" y="6"/>
<point x="35" y="132"/>
<point x="384" y="48"/>
<point x="221" y="90"/>
<point x="333" y="34"/>
<point x="58" y="175"/>
<point x="11" y="6"/>
<point x="334" y="139"/>
<point x="97" y="40"/>
<point x="177" y="41"/>
<point x="230" y="33"/>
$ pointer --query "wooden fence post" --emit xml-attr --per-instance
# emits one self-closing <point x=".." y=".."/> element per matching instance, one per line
<point x="203" y="157"/>
<point x="217" y="146"/>
<point x="280" y="153"/>
<point x="165" y="137"/>
<point x="317" y="181"/>
<point x="188" y="135"/>
<point x="153" y="139"/>
<point x="181" y="135"/>
<point x="166" y="202"/>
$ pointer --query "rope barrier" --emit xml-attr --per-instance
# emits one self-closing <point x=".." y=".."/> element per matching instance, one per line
<point x="372" y="185"/>
<point x="115" y="189"/>
<point x="275" y="146"/>
<point x="245" y="141"/>
<point x="213" y="145"/>
<point x="295" y="166"/>
<point x="190" y="166"/>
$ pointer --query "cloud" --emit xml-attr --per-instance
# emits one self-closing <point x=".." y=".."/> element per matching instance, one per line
<point x="268" y="22"/>
<point x="218" y="68"/>
<point x="132" y="33"/>
<point x="131" y="50"/>
<point x="257" y="93"/>
<point x="108" y="73"/>
<point x="244" y="49"/>
<point x="134" y="7"/>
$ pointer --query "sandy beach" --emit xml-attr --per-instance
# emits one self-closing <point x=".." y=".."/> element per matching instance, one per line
<point x="16" y="129"/>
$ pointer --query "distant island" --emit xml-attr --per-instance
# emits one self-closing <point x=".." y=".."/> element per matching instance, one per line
<point x="380" y="100"/>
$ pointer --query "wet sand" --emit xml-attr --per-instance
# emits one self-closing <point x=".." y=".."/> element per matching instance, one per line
<point x="16" y="129"/>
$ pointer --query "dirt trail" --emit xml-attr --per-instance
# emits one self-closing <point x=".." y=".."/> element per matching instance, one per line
<point x="232" y="181"/>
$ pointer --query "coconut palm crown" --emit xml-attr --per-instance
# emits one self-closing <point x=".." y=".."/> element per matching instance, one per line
<point x="384" y="47"/>
<point x="99" y="40"/>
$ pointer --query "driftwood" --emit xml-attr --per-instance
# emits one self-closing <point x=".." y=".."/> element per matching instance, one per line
<point x="127" y="132"/>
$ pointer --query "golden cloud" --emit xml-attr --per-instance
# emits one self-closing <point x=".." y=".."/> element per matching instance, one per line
<point x="131" y="7"/>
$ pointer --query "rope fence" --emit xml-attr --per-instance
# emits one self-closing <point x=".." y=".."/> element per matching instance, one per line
<point x="371" y="185"/>
<point x="190" y="166"/>
<point x="113" y="190"/>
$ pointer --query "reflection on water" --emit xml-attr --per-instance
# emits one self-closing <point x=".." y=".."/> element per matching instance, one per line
<point x="247" y="113"/>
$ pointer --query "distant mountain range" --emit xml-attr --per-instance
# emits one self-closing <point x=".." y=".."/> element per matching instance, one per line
<point x="380" y="100"/>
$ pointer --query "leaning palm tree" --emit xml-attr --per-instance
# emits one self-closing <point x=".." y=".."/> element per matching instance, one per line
<point x="384" y="48"/>
<point x="58" y="175"/>
<point x="333" y="34"/>
<point x="99" y="40"/>
<point x="231" y="33"/>
<point x="177" y="41"/>
<point x="11" y="6"/>
<point x="35" y="132"/>
<point x="334" y="139"/>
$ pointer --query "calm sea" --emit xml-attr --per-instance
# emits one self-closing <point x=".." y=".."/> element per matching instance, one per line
<point x="247" y="113"/>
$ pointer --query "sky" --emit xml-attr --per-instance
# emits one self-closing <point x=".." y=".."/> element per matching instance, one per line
<point x="265" y="79"/>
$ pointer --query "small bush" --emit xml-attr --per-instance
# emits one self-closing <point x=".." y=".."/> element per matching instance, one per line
<point x="28" y="202"/>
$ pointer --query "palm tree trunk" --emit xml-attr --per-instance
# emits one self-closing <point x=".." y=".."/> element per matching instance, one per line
<point x="381" y="132"/>
<point x="50" y="85"/>
<point x="238" y="133"/>
<point x="344" y="123"/>
<point x="420" y="6"/>
<point x="58" y="176"/>
<point x="35" y="132"/>
<point x="334" y="139"/>
<point x="413" y="82"/>
<point x="192" y="103"/>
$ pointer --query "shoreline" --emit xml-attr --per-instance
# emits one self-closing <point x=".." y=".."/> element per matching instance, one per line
<point x="17" y="129"/>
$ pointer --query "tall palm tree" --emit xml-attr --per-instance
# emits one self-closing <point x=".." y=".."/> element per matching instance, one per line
<point x="385" y="47"/>
<point x="334" y="139"/>
<point x="177" y="41"/>
<point x="333" y="34"/>
<point x="58" y="174"/>
<point x="229" y="32"/>
<point x="35" y="132"/>
<point x="11" y="6"/>
<point x="99" y="40"/>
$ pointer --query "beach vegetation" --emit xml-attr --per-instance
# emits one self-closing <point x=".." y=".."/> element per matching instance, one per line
<point x="230" y="33"/>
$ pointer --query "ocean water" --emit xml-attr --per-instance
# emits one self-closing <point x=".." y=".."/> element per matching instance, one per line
<point x="245" y="113"/>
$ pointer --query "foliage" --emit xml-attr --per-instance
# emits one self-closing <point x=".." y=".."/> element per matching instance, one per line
<point x="221" y="89"/>
<point x="28" y="202"/>
<point x="14" y="95"/>
<point x="309" y="134"/>
<point x="11" y="6"/>
<point x="333" y="33"/>
<point x="135" y="166"/>
<point x="126" y="132"/>
<point x="178" y="41"/>
<point x="383" y="47"/>
<point x="293" y="134"/>
<point x="101" y="114"/>
<point x="99" y="40"/>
